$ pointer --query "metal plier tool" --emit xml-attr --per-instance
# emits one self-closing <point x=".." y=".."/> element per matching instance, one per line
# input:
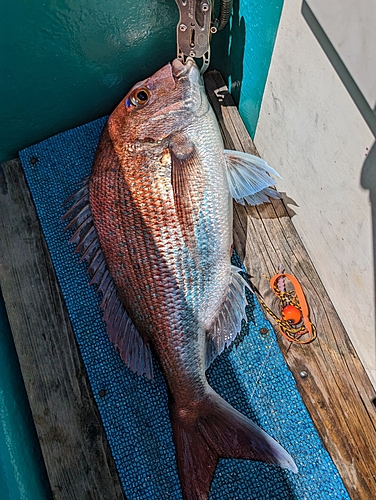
<point x="196" y="26"/>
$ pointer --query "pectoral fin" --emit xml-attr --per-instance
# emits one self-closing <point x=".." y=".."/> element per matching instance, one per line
<point x="249" y="179"/>
<point x="187" y="185"/>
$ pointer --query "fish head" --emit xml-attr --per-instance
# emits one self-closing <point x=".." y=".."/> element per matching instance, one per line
<point x="161" y="105"/>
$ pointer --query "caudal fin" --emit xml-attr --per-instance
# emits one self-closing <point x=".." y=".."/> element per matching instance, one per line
<point x="213" y="429"/>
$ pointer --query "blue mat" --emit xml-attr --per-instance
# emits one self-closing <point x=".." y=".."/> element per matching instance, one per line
<point x="251" y="374"/>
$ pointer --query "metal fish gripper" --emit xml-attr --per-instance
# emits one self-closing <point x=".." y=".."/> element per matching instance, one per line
<point x="196" y="26"/>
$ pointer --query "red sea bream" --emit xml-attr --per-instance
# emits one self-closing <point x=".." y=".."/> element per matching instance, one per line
<point x="154" y="223"/>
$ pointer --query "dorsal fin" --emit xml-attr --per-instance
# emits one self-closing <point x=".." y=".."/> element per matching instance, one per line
<point x="248" y="178"/>
<point x="229" y="321"/>
<point x="134" y="351"/>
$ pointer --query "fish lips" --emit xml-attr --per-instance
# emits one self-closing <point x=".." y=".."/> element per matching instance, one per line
<point x="188" y="75"/>
<point x="189" y="69"/>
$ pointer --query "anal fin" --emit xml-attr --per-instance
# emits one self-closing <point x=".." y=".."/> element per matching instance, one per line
<point x="229" y="320"/>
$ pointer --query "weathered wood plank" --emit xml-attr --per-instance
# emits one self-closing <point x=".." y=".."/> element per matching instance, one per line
<point x="74" y="446"/>
<point x="337" y="391"/>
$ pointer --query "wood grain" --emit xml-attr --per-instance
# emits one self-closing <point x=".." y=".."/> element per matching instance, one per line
<point x="337" y="391"/>
<point x="74" y="446"/>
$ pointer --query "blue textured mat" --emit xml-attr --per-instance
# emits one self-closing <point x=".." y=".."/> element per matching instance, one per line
<point x="251" y="374"/>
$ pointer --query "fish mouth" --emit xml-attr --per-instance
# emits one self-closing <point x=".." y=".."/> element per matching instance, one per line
<point x="187" y="76"/>
<point x="189" y="69"/>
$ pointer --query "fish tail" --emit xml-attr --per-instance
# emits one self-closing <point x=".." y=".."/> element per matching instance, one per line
<point x="212" y="429"/>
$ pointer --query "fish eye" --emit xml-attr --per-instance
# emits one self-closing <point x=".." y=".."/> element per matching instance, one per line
<point x="140" y="97"/>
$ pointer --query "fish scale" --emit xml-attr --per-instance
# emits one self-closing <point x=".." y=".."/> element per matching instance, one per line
<point x="168" y="276"/>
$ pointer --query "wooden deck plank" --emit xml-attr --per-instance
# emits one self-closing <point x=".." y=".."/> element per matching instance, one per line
<point x="337" y="390"/>
<point x="74" y="446"/>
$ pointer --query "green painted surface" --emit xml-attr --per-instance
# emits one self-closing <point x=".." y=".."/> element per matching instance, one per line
<point x="64" y="63"/>
<point x="22" y="472"/>
<point x="250" y="41"/>
<point x="261" y="20"/>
